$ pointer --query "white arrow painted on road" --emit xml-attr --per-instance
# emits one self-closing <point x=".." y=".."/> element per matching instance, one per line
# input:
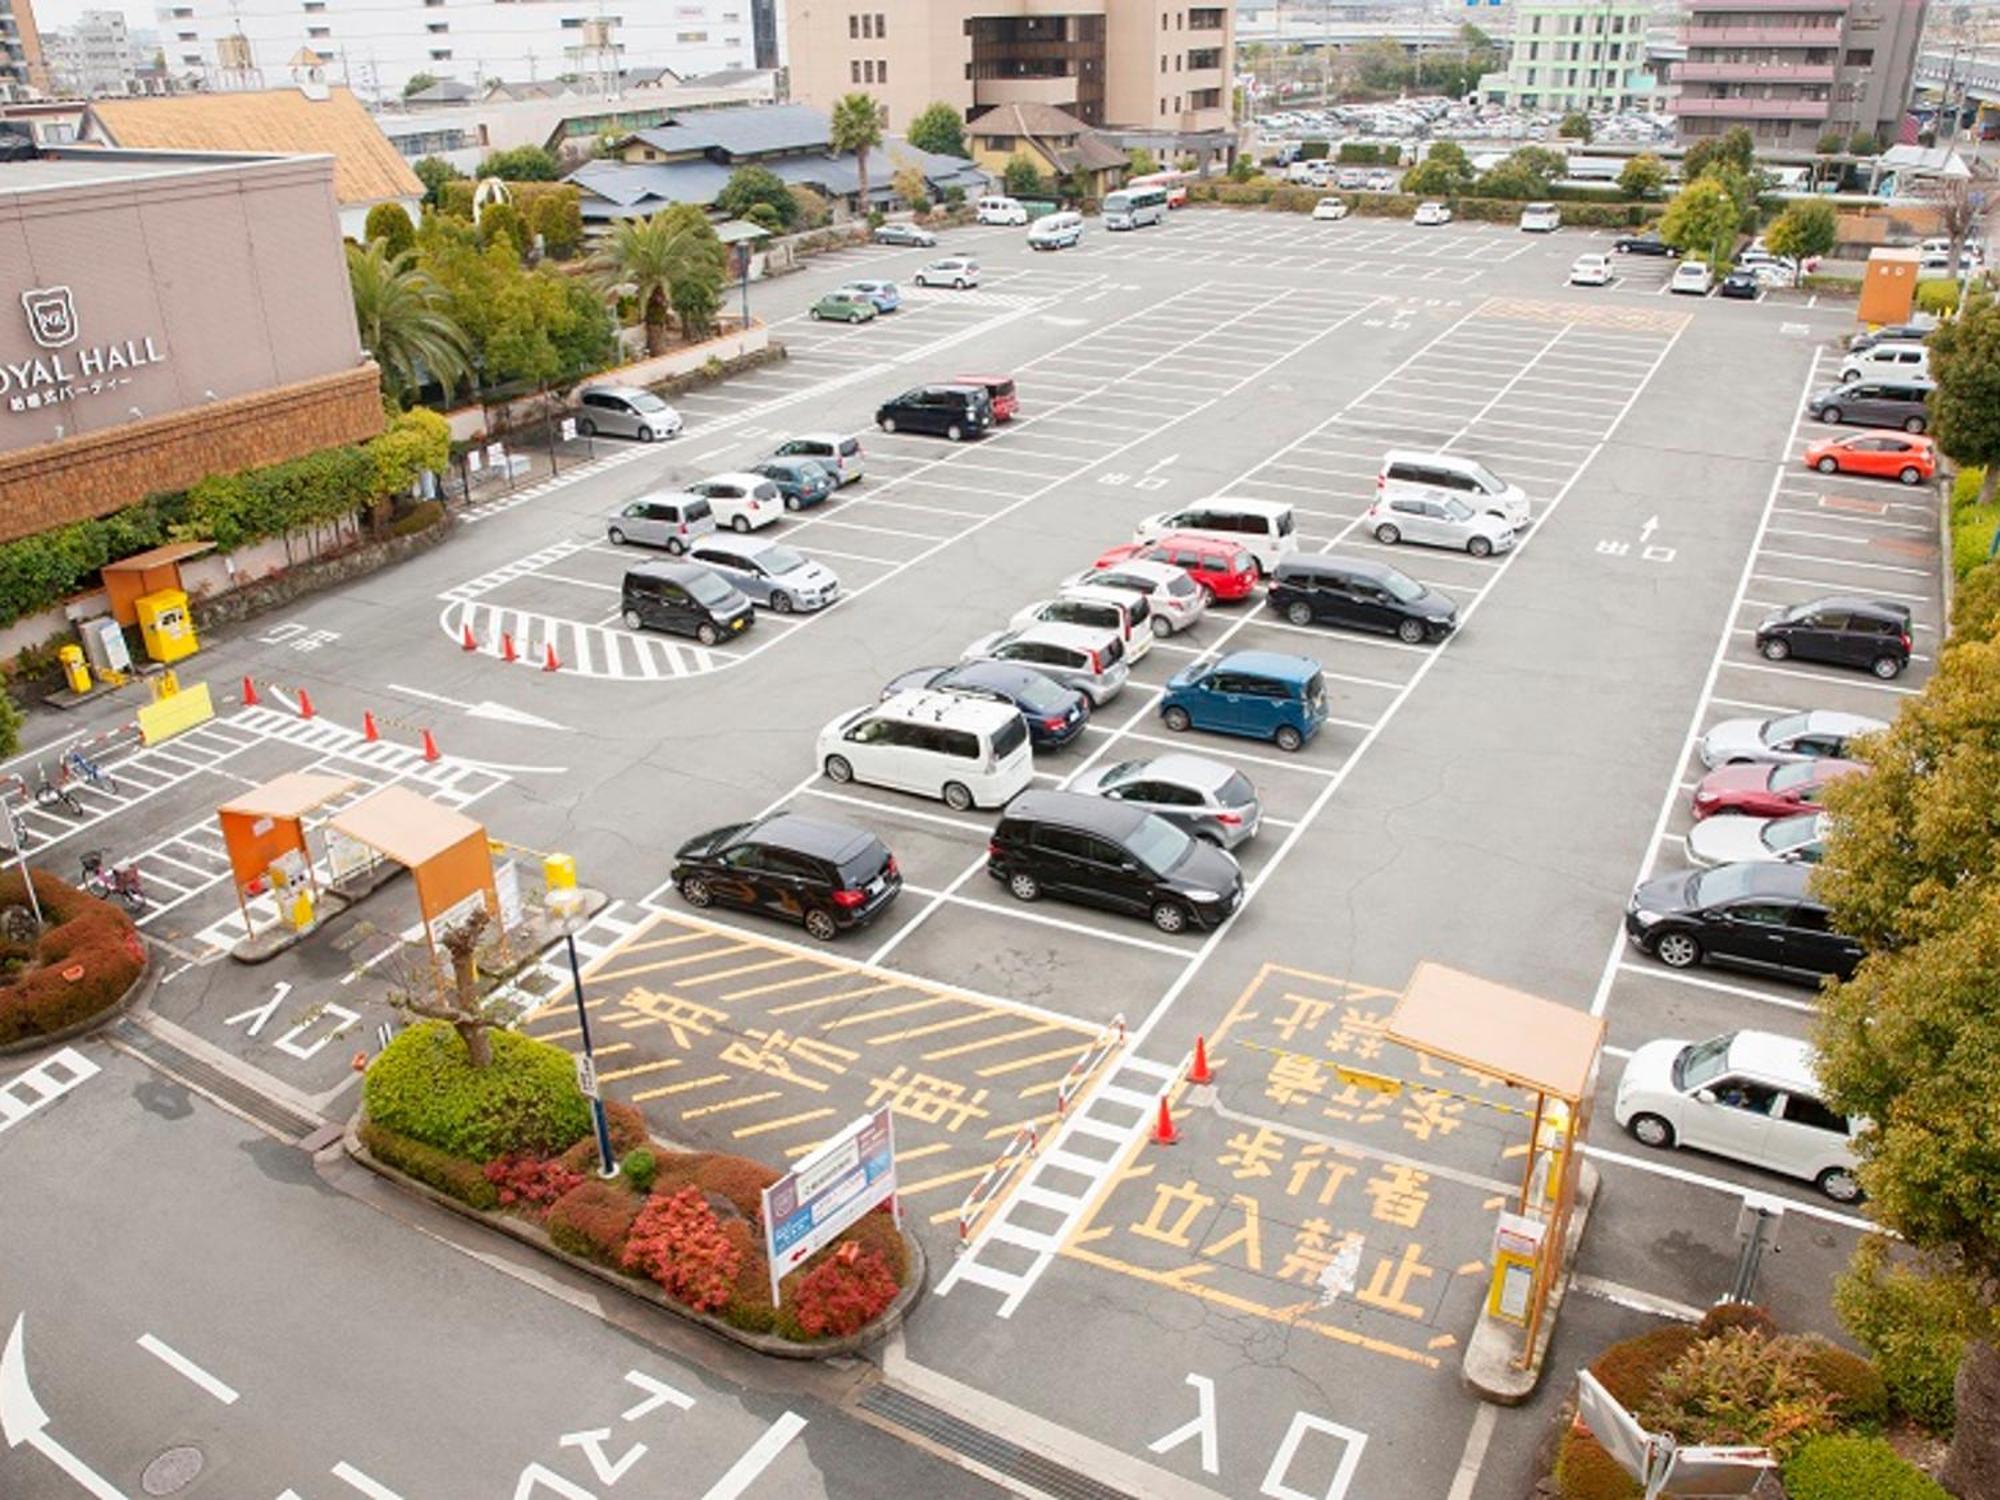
<point x="499" y="713"/>
<point x="22" y="1419"/>
<point x="1652" y="525"/>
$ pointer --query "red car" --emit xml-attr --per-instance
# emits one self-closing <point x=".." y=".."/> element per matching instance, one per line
<point x="1880" y="455"/>
<point x="1769" y="791"/>
<point x="1006" y="402"/>
<point x="1227" y="571"/>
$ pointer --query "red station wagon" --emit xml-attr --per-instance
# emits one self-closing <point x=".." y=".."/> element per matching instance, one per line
<point x="1227" y="571"/>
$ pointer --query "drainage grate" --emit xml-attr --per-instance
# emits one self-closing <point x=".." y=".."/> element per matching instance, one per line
<point x="941" y="1427"/>
<point x="206" y="1078"/>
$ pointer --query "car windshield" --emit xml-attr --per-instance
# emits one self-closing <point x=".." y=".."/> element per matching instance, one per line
<point x="1781" y="834"/>
<point x="1458" y="510"/>
<point x="647" y="401"/>
<point x="779" y="560"/>
<point x="1798" y="774"/>
<point x="1723" y="883"/>
<point x="1701" y="1062"/>
<point x="1408" y="590"/>
<point x="1777" y="731"/>
<point x="708" y="589"/>
<point x="1158" y="845"/>
<point x="1037" y="694"/>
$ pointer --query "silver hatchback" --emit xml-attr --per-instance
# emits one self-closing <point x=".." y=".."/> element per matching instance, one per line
<point x="1201" y="797"/>
<point x="770" y="573"/>
<point x="625" y="411"/>
<point x="667" y="518"/>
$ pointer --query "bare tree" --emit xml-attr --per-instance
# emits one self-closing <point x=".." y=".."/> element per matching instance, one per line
<point x="418" y="988"/>
<point x="1960" y="212"/>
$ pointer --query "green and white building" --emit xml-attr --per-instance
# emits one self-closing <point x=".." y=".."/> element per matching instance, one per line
<point x="1570" y="56"/>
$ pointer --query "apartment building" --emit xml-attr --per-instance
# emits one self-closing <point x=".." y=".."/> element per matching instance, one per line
<point x="1145" y="65"/>
<point x="1569" y="56"/>
<point x="20" y="49"/>
<point x="92" y="56"/>
<point x="1792" y="71"/>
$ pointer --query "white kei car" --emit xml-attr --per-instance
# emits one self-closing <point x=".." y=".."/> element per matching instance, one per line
<point x="1330" y="208"/>
<point x="1590" y="270"/>
<point x="1432" y="213"/>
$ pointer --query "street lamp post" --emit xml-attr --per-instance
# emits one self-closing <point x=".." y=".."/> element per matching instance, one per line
<point x="565" y="906"/>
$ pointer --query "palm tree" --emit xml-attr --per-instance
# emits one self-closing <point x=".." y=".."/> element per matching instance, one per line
<point x="856" y="126"/>
<point x="649" y="259"/>
<point x="404" y="325"/>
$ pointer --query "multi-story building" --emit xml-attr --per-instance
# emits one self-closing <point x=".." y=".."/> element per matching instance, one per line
<point x="1793" y="71"/>
<point x="1137" y="65"/>
<point x="93" y="56"/>
<point x="376" y="49"/>
<point x="1569" y="55"/>
<point x="20" y="48"/>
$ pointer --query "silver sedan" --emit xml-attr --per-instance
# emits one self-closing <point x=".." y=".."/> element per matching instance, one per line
<point x="1201" y="797"/>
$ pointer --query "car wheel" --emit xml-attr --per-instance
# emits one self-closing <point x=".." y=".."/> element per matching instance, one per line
<point x="815" y="314"/>
<point x="792" y="502"/>
<point x="645" y="434"/>
<point x="1479" y="546"/>
<point x="1651" y="1130"/>
<point x="708" y="635"/>
<point x="1909" y="474"/>
<point x="1288" y="738"/>
<point x="887" y="424"/>
<point x="741" y="525"/>
<point x="1829" y="414"/>
<point x="1828" y="465"/>
<point x="1411" y="632"/>
<point x="1886" y="667"/>
<point x="1162" y="627"/>
<point x="1207" y="594"/>
<point x="1299" y="612"/>
<point x="1839" y="1184"/>
<point x="1176" y="719"/>
<point x="839" y="770"/>
<point x="1677" y="950"/>
<point x="1388" y="535"/>
<point x="617" y="537"/>
<point x="1775" y="650"/>
<point x="955" y="432"/>
<point x="586" y="427"/>
<point x="1023" y="886"/>
<point x="782" y="602"/>
<point x="959" y="285"/>
<point x="675" y="546"/>
<point x="957" y="796"/>
<point x="632" y="620"/>
<point x="695" y="891"/>
<point x="1170" y="916"/>
<point x="820" y="926"/>
<point x="1914" y="424"/>
<point x="1848" y="377"/>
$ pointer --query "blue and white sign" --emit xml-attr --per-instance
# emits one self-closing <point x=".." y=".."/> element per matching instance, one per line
<point x="806" y="1210"/>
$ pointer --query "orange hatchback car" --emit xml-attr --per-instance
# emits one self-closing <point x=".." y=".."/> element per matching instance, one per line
<point x="1881" y="455"/>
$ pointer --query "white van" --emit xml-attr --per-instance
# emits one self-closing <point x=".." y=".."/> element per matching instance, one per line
<point x="1899" y="360"/>
<point x="1411" y="475"/>
<point x="1541" y="218"/>
<point x="968" y="752"/>
<point x="999" y="209"/>
<point x="1055" y="231"/>
<point x="1263" y="528"/>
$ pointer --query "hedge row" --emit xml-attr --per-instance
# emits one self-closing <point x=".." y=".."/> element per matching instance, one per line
<point x="1284" y="198"/>
<point x="87" y="956"/>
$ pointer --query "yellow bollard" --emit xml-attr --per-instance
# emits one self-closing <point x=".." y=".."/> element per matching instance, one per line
<point x="302" y="910"/>
<point x="75" y="669"/>
<point x="559" y="872"/>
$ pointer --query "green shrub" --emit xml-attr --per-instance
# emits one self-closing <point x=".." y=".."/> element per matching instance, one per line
<point x="1855" y="1468"/>
<point x="1724" y="1316"/>
<point x="1628" y="1368"/>
<point x="1972" y="532"/>
<point x="1975" y="608"/>
<point x="1312" y="150"/>
<point x="1915" y="1324"/>
<point x="1965" y="485"/>
<point x="1860" y="1393"/>
<point x="1740" y="1386"/>
<point x="1584" y="1471"/>
<point x="424" y="1086"/>
<point x="639" y="1168"/>
<point x="1939" y="297"/>
<point x="451" y="1175"/>
<point x="594" y="1218"/>
<point x="419" y="517"/>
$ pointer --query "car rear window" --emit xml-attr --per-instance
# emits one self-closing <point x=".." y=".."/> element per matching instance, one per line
<point x="1180" y="585"/>
<point x="1138" y="612"/>
<point x="1001" y="389"/>
<point x="849" y="447"/>
<point x="1008" y="738"/>
<point x="1242" y="562"/>
<point x="697" y="510"/>
<point x="864" y="864"/>
<point x="1113" y="652"/>
<point x="1316" y="691"/>
<point x="1284" y="523"/>
<point x="1236" y="791"/>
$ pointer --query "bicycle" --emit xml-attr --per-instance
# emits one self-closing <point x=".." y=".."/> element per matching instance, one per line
<point x="123" y="883"/>
<point x="48" y="793"/>
<point x="76" y="763"/>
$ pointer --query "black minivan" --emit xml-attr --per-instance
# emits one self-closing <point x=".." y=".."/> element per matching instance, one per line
<point x="684" y="599"/>
<point x="1103" y="853"/>
<point x="952" y="411"/>
<point x="1362" y="595"/>
<point x="1865" y="633"/>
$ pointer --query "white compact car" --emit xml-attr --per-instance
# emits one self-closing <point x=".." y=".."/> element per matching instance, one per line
<point x="1590" y="270"/>
<point x="1433" y="213"/>
<point x="1438" y="523"/>
<point x="1176" y="600"/>
<point x="1747" y="1095"/>
<point x="742" y="502"/>
<point x="1693" y="278"/>
<point x="1330" y="208"/>
<point x="967" y="752"/>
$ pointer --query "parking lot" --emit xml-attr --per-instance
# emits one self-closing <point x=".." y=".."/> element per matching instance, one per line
<point x="1486" y="802"/>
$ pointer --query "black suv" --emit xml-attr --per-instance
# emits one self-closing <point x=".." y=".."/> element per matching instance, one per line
<point x="826" y="876"/>
<point x="1363" y="595"/>
<point x="1104" y="853"/>
<point x="1876" y="403"/>
<point x="1760" y="916"/>
<point x="1848" y="632"/>
<point x="952" y="411"/>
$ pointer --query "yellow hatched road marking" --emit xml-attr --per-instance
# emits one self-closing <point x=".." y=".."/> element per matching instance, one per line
<point x="911" y="1189"/>
<point x="681" y="1088"/>
<point x="741" y="1102"/>
<point x="650" y="943"/>
<point x="975" y="1019"/>
<point x="720" y="974"/>
<point x="921" y="1151"/>
<point x="867" y="989"/>
<point x="1000" y="1130"/>
<point x="892" y="1010"/>
<point x="671" y="963"/>
<point x="992" y="1041"/>
<point x="1027" y="1062"/>
<point x="811" y="1114"/>
<point x="651" y="1067"/>
<point x="818" y="975"/>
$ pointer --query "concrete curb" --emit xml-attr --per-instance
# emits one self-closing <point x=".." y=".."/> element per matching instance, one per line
<point x="536" y="1238"/>
<point x="144" y="985"/>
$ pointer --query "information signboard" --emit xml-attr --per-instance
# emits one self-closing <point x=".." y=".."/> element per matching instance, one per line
<point x="807" y="1208"/>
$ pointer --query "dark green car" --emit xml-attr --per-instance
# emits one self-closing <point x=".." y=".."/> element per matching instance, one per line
<point x="802" y="482"/>
<point x="845" y="307"/>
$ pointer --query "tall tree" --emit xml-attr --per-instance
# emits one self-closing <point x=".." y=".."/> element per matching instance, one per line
<point x="403" y="322"/>
<point x="434" y="172"/>
<point x="1642" y="176"/>
<point x="418" y="82"/>
<point x="1576" y="126"/>
<point x="1965" y="407"/>
<point x="1803" y="230"/>
<point x="938" y="128"/>
<point x="751" y="185"/>
<point x="856" y="125"/>
<point x="1702" y="220"/>
<point x="521" y="164"/>
<point x="1960" y="209"/>
<point x="649" y="260"/>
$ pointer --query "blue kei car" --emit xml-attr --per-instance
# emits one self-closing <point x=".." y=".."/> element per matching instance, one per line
<point x="1262" y="695"/>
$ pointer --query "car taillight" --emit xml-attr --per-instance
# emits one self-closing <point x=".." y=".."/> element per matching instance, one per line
<point x="890" y="868"/>
<point x="1054" y="722"/>
<point x="1906" y="643"/>
<point x="1096" y="667"/>
<point x="683" y="528"/>
<point x="848" y="900"/>
<point x="992" y="848"/>
<point x="1229" y="819"/>
<point x="1381" y="481"/>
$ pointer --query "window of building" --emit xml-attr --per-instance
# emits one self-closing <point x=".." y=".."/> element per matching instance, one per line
<point x="317" y="32"/>
<point x="882" y="72"/>
<point x="881" y="25"/>
<point x="437" y="28"/>
<point x="854" y="71"/>
<point x="1859" y="57"/>
<point x="1163" y="64"/>
<point x="1177" y="104"/>
<point x="441" y="54"/>
<point x="853" y="26"/>
<point x="691" y="37"/>
<point x="867" y="26"/>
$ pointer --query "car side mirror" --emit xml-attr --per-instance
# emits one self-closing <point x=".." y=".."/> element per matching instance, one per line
<point x="1705" y="1096"/>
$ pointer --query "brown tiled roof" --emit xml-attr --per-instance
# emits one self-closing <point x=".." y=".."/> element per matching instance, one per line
<point x="366" y="168"/>
<point x="1040" y="120"/>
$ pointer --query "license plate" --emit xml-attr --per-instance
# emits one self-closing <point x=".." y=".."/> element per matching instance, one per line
<point x="875" y="886"/>
<point x="737" y="623"/>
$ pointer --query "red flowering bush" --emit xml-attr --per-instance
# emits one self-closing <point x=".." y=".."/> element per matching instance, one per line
<point x="593" y="1220"/>
<point x="679" y="1242"/>
<point x="843" y="1293"/>
<point x="530" y="1182"/>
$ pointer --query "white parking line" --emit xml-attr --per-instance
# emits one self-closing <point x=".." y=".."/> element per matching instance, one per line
<point x="1716" y="986"/>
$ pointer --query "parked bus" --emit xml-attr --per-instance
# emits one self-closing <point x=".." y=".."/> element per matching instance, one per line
<point x="1129" y="208"/>
<point x="1175" y="183"/>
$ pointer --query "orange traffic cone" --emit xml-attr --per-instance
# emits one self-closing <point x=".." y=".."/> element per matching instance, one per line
<point x="1199" y="1073"/>
<point x="431" y="747"/>
<point x="507" y="651"/>
<point x="549" y="661"/>
<point x="250" y="692"/>
<point x="467" y="640"/>
<point x="305" y="704"/>
<point x="360" y="1062"/>
<point x="368" y="730"/>
<point x="1164" y="1133"/>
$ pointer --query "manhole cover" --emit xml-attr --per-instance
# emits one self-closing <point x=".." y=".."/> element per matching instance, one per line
<point x="172" y="1472"/>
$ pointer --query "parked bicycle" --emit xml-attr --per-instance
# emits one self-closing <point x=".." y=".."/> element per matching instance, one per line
<point x="48" y="793"/>
<point x="75" y="763"/>
<point x="121" y="882"/>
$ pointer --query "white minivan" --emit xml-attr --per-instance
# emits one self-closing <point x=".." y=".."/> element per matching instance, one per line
<point x="1407" y="474"/>
<point x="1541" y="218"/>
<point x="999" y="209"/>
<point x="968" y="752"/>
<point x="1888" y="361"/>
<point x="1055" y="231"/>
<point x="1263" y="528"/>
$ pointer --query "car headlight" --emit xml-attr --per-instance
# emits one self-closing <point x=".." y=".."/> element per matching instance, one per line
<point x="1206" y="897"/>
<point x="1645" y="918"/>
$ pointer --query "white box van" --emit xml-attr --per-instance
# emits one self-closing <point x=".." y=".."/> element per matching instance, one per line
<point x="1541" y="218"/>
<point x="968" y="752"/>
<point x="1263" y="528"/>
<point x="1055" y="231"/>
<point x="1899" y="360"/>
<point x="1411" y="475"/>
<point x="999" y="209"/>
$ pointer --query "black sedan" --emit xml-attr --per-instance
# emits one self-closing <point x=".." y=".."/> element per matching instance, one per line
<point x="1642" y="244"/>
<point x="904" y="234"/>
<point x="1759" y="915"/>
<point x="1054" y="713"/>
<point x="824" y="875"/>
<point x="1740" y="285"/>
